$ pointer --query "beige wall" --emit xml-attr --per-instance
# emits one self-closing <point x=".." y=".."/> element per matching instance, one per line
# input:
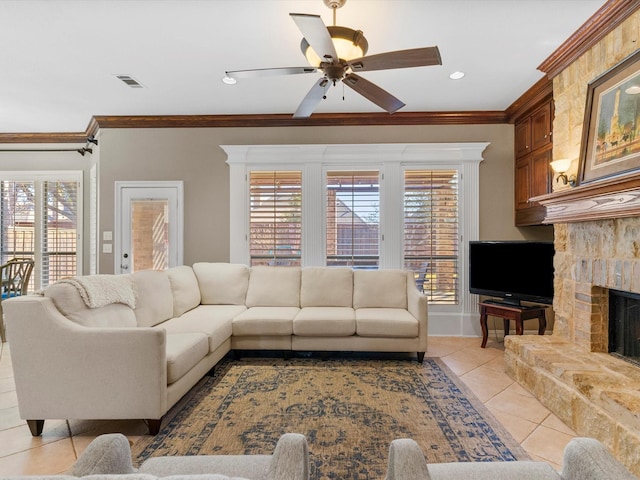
<point x="194" y="156"/>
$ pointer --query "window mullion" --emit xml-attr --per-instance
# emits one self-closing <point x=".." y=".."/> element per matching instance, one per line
<point x="39" y="243"/>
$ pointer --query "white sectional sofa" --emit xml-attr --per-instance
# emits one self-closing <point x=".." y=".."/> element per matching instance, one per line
<point x="117" y="362"/>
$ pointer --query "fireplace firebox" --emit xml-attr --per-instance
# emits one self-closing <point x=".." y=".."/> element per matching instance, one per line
<point x="624" y="325"/>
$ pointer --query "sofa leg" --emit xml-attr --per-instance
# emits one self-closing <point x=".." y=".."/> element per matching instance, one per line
<point x="154" y="425"/>
<point x="36" y="427"/>
<point x="420" y="357"/>
<point x="286" y="354"/>
<point x="237" y="354"/>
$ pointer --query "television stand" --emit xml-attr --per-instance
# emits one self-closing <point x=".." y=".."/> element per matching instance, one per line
<point x="508" y="312"/>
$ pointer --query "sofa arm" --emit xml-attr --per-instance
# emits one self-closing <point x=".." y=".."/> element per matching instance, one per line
<point x="290" y="460"/>
<point x="406" y="461"/>
<point x="65" y="370"/>
<point x="106" y="455"/>
<point x="588" y="459"/>
<point x="418" y="307"/>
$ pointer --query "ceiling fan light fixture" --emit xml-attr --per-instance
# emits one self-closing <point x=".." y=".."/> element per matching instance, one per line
<point x="349" y="44"/>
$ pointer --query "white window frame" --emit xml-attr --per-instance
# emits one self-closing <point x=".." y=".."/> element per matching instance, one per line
<point x="61" y="176"/>
<point x="391" y="160"/>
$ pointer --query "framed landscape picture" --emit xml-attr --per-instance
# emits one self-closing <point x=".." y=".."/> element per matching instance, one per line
<point x="611" y="131"/>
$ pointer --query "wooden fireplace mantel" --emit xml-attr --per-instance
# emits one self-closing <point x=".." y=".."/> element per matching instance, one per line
<point x="605" y="199"/>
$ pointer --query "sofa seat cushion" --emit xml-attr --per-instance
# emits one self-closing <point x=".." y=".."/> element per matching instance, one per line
<point x="265" y="321"/>
<point x="386" y="322"/>
<point x="325" y="322"/>
<point x="184" y="351"/>
<point x="212" y="320"/>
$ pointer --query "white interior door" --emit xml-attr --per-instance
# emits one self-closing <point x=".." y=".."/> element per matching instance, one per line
<point x="149" y="220"/>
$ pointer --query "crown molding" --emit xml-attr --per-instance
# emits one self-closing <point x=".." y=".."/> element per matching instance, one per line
<point x="606" y="19"/>
<point x="286" y="120"/>
<point x="539" y="93"/>
<point x="28" y="138"/>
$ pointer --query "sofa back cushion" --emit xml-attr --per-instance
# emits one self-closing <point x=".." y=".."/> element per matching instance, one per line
<point x="185" y="289"/>
<point x="326" y="287"/>
<point x="222" y="283"/>
<point x="274" y="287"/>
<point x="379" y="289"/>
<point x="68" y="301"/>
<point x="155" y="298"/>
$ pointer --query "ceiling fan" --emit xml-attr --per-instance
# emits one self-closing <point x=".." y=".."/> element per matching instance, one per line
<point x="339" y="52"/>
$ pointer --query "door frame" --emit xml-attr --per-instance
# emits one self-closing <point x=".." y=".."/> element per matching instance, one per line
<point x="178" y="185"/>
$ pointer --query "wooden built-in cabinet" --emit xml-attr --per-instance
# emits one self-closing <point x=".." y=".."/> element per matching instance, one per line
<point x="533" y="138"/>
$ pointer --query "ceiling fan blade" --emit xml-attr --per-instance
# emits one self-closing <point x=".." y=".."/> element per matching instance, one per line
<point x="415" y="57"/>
<point x="374" y="93"/>
<point x="315" y="32"/>
<point x="268" y="72"/>
<point x="312" y="99"/>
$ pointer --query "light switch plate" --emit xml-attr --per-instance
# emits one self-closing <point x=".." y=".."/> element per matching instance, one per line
<point x="107" y="236"/>
<point x="107" y="248"/>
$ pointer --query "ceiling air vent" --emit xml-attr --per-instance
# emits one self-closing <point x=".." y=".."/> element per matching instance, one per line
<point x="130" y="81"/>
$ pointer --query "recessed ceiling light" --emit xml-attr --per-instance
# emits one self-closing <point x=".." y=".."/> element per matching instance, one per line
<point x="456" y="75"/>
<point x="227" y="80"/>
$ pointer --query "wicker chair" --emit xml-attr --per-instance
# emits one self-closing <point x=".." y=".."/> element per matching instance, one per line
<point x="14" y="281"/>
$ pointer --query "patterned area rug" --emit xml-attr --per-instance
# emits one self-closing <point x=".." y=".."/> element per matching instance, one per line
<point x="349" y="410"/>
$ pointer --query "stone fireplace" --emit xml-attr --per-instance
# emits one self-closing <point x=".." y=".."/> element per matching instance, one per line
<point x="624" y="325"/>
<point x="571" y="371"/>
<point x="597" y="242"/>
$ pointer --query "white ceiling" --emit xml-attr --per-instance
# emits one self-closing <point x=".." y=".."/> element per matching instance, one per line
<point x="59" y="58"/>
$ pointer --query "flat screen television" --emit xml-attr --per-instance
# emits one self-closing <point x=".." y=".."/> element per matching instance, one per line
<point x="512" y="270"/>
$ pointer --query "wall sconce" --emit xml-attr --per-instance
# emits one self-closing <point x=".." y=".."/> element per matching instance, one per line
<point x="560" y="167"/>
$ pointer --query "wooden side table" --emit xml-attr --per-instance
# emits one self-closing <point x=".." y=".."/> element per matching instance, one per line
<point x="511" y="312"/>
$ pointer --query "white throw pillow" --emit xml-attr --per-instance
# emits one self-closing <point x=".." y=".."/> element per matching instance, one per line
<point x="379" y="289"/>
<point x="185" y="288"/>
<point x="67" y="299"/>
<point x="155" y="299"/>
<point x="222" y="283"/>
<point x="326" y="287"/>
<point x="274" y="287"/>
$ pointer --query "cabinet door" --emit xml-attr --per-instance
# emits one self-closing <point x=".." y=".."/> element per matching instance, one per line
<point x="522" y="183"/>
<point x="523" y="137"/>
<point x="541" y="126"/>
<point x="540" y="174"/>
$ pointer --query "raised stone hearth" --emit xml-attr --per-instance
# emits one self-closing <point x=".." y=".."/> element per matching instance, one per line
<point x="594" y="393"/>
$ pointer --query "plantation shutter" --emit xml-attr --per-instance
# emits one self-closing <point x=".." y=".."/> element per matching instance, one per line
<point x="275" y="217"/>
<point x="17" y="220"/>
<point x="59" y="227"/>
<point x="39" y="220"/>
<point x="431" y="232"/>
<point x="353" y="219"/>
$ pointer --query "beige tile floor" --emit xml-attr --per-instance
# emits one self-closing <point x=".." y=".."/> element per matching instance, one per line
<point x="540" y="432"/>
